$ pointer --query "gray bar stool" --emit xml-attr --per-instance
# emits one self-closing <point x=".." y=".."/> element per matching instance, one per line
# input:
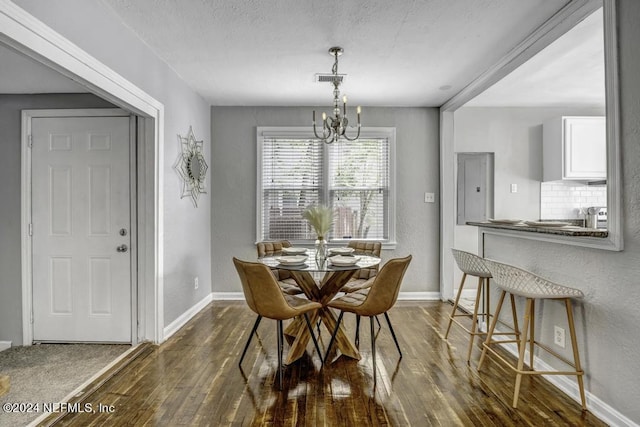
<point x="473" y="265"/>
<point x="516" y="281"/>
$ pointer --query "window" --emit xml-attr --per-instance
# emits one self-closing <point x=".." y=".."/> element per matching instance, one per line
<point x="354" y="178"/>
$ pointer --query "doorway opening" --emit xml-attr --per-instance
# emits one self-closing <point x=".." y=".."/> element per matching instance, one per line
<point x="32" y="38"/>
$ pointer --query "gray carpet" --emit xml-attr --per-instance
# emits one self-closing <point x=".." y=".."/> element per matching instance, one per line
<point x="48" y="373"/>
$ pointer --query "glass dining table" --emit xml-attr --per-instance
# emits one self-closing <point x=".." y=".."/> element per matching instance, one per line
<point x="322" y="291"/>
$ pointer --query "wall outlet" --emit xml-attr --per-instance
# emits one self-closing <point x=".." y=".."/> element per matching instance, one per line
<point x="558" y="336"/>
<point x="429" y="197"/>
<point x="514" y="188"/>
<point x="195" y="284"/>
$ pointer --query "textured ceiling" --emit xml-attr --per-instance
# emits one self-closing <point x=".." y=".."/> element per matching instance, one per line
<point x="397" y="53"/>
<point x="400" y="53"/>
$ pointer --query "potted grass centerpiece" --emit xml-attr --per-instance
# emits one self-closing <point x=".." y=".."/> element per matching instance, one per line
<point x="320" y="218"/>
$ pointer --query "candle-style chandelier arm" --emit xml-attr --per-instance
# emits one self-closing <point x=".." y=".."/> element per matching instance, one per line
<point x="355" y="137"/>
<point x="326" y="130"/>
<point x="333" y="128"/>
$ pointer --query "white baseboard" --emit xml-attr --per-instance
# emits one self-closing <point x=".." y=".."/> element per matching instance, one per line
<point x="173" y="327"/>
<point x="595" y="405"/>
<point x="228" y="296"/>
<point x="419" y="296"/>
<point x="403" y="296"/>
<point x="5" y="345"/>
<point x="469" y="293"/>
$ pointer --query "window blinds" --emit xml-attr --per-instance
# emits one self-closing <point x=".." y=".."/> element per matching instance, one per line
<point x="291" y="180"/>
<point x="359" y="188"/>
<point x="351" y="177"/>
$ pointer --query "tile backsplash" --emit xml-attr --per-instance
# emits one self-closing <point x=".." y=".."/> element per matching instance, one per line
<point x="565" y="200"/>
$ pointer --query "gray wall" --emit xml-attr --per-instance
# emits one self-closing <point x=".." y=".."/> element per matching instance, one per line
<point x="10" y="176"/>
<point x="609" y="316"/>
<point x="233" y="135"/>
<point x="93" y="26"/>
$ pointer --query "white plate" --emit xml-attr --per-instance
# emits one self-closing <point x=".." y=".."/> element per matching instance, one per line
<point x="547" y="223"/>
<point x="292" y="259"/>
<point x="340" y="261"/>
<point x="341" y="251"/>
<point x="294" y="251"/>
<point x="505" y="221"/>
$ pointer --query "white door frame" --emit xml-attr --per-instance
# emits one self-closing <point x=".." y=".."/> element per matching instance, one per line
<point x="31" y="37"/>
<point x="26" y="191"/>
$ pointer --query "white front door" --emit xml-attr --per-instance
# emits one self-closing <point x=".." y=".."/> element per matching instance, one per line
<point x="81" y="229"/>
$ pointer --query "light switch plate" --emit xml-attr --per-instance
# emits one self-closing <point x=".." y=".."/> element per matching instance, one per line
<point x="514" y="188"/>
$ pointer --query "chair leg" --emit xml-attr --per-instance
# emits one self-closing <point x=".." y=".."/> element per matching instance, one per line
<point x="494" y="321"/>
<point x="523" y="345"/>
<point x="532" y="332"/>
<point x="487" y="297"/>
<point x="373" y="349"/>
<point x="313" y="337"/>
<point x="576" y="356"/>
<point x="357" y="339"/>
<point x="514" y="315"/>
<point x="474" y="322"/>
<point x="455" y="305"/>
<point x="333" y="335"/>
<point x="393" y="334"/>
<point x="280" y="345"/>
<point x="253" y="331"/>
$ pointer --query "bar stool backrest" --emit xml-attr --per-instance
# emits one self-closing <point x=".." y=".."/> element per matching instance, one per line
<point x="470" y="263"/>
<point x="529" y="285"/>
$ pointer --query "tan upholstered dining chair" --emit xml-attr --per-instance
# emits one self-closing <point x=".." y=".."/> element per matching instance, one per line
<point x="264" y="297"/>
<point x="364" y="277"/>
<point x="372" y="301"/>
<point x="285" y="281"/>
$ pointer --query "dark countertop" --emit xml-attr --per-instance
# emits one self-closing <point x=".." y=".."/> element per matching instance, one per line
<point x="558" y="231"/>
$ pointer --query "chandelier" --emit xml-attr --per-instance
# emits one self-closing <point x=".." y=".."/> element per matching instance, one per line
<point x="334" y="128"/>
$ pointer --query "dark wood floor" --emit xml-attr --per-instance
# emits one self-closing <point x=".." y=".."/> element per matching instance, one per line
<point x="194" y="379"/>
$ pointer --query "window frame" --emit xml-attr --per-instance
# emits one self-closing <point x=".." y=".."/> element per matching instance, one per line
<point x="265" y="132"/>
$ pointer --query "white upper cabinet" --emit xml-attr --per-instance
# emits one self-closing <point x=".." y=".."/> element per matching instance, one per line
<point x="574" y="148"/>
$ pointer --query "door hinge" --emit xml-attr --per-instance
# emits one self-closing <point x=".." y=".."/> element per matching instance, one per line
<point x="32" y="317"/>
<point x="30" y="229"/>
<point x="30" y="141"/>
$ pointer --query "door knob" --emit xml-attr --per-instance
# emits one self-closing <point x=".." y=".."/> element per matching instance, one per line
<point x="122" y="248"/>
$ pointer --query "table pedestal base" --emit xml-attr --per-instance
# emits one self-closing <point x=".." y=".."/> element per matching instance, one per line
<point x="297" y="332"/>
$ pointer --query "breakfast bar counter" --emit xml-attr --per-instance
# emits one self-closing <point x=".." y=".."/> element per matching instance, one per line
<point x="565" y="230"/>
